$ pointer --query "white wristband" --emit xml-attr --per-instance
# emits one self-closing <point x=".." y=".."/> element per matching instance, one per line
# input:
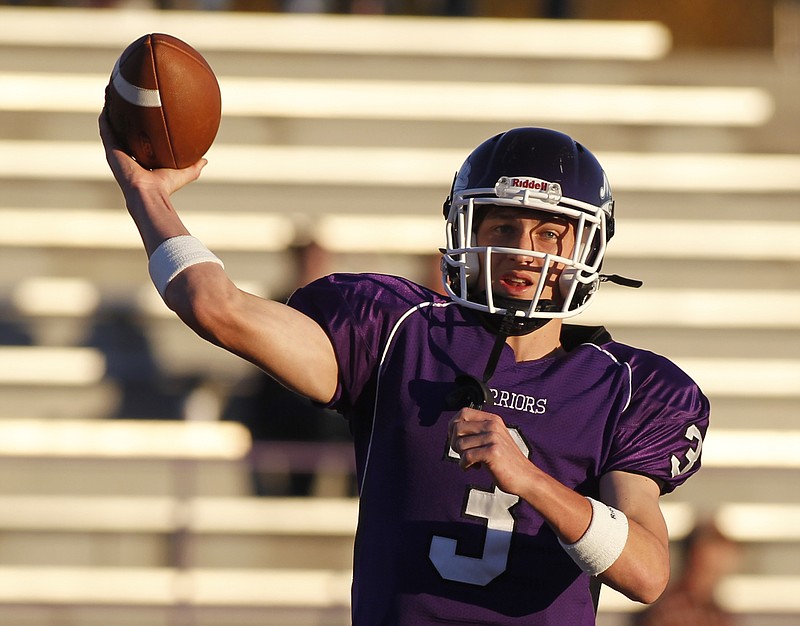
<point x="603" y="541"/>
<point x="173" y="256"/>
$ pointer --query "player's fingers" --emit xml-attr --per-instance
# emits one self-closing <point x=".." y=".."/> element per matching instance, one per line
<point x="106" y="134"/>
<point x="468" y="415"/>
<point x="459" y="427"/>
<point x="468" y="436"/>
<point x="116" y="158"/>
<point x="470" y="421"/>
<point x="471" y="451"/>
<point x="110" y="141"/>
<point x="179" y="178"/>
<point x="104" y="126"/>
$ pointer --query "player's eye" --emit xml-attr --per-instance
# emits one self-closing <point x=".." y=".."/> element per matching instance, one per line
<point x="552" y="233"/>
<point x="504" y="229"/>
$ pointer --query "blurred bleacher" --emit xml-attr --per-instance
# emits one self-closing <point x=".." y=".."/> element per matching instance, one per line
<point x="347" y="130"/>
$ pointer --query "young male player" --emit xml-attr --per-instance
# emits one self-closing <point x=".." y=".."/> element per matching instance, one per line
<point x="508" y="463"/>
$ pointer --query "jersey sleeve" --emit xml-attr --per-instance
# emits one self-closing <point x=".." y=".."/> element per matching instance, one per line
<point x="662" y="429"/>
<point x="357" y="311"/>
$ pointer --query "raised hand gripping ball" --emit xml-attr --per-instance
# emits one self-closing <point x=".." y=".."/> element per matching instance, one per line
<point x="163" y="102"/>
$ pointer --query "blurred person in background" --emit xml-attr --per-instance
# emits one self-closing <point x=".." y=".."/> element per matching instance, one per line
<point x="707" y="557"/>
<point x="273" y="413"/>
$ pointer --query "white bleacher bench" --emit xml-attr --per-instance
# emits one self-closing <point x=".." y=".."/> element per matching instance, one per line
<point x="112" y="229"/>
<point x="167" y="514"/>
<point x="94" y="586"/>
<point x="123" y="439"/>
<point x="338" y="34"/>
<point x="423" y="168"/>
<point x="58" y="366"/>
<point x="349" y="99"/>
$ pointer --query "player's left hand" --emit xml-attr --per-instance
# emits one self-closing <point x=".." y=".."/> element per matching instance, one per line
<point x="482" y="440"/>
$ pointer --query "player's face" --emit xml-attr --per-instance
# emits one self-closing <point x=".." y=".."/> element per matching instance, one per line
<point x="517" y="275"/>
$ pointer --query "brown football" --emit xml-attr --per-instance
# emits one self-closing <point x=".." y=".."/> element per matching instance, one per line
<point x="163" y="102"/>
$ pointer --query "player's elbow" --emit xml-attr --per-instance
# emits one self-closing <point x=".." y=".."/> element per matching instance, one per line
<point x="642" y="580"/>
<point x="648" y="585"/>
<point x="650" y="593"/>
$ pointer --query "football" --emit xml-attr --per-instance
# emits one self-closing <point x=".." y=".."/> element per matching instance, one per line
<point x="163" y="102"/>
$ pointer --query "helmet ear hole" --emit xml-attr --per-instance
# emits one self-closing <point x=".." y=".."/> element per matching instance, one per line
<point x="582" y="290"/>
<point x="472" y="267"/>
<point x="565" y="281"/>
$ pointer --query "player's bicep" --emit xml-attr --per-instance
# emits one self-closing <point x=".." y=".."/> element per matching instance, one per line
<point x="292" y="348"/>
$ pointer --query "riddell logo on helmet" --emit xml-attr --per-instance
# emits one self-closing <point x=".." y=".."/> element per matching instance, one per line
<point x="513" y="186"/>
<point x="530" y="183"/>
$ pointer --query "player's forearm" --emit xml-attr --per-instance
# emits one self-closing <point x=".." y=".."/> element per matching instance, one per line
<point x="147" y="193"/>
<point x="642" y="570"/>
<point x="567" y="512"/>
<point x="153" y="214"/>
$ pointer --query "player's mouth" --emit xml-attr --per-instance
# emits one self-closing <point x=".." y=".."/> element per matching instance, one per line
<point x="515" y="285"/>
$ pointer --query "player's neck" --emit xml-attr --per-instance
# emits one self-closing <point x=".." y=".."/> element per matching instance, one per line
<point x="542" y="343"/>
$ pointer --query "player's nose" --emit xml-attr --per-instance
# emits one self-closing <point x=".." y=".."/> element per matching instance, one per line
<point x="524" y="244"/>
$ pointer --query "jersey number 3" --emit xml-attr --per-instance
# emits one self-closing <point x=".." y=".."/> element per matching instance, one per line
<point x="495" y="508"/>
<point x="692" y="454"/>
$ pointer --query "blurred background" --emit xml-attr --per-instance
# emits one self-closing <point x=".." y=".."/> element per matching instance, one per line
<point x="147" y="477"/>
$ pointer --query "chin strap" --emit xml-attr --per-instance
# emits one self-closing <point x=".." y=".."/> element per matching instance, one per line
<point x="634" y="283"/>
<point x="472" y="392"/>
<point x="515" y="325"/>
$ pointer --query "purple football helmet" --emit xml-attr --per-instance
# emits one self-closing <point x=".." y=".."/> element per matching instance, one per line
<point x="546" y="171"/>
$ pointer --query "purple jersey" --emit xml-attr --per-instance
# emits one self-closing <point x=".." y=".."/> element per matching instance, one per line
<point x="439" y="545"/>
